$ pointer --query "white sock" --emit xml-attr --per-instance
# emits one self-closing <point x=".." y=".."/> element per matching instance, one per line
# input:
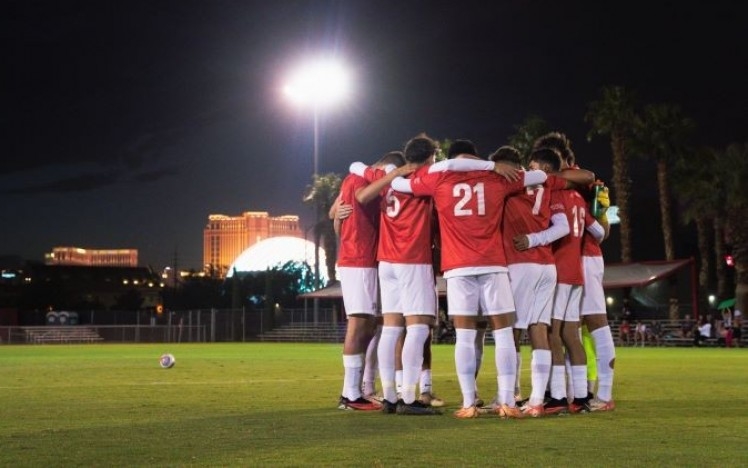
<point x="517" y="389"/>
<point x="479" y="344"/>
<point x="386" y="359"/>
<point x="569" y="378"/>
<point x="353" y="365"/>
<point x="399" y="381"/>
<point x="606" y="354"/>
<point x="579" y="381"/>
<point x="506" y="364"/>
<point x="540" y="373"/>
<point x="424" y="384"/>
<point x="370" y="365"/>
<point x="465" y="364"/>
<point x="415" y="337"/>
<point x="558" y="382"/>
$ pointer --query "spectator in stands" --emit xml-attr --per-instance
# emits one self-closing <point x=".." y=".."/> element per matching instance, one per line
<point x="624" y="333"/>
<point x="726" y="331"/>
<point x="640" y="333"/>
<point x="703" y="332"/>
<point x="626" y="311"/>
<point x="737" y="327"/>
<point x="686" y="327"/>
<point x="655" y="332"/>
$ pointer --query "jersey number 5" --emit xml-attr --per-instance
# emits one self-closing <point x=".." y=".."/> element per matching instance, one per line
<point x="465" y="193"/>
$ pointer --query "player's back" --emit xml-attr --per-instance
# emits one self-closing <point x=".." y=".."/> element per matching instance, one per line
<point x="525" y="213"/>
<point x="405" y="227"/>
<point x="360" y="231"/>
<point x="567" y="251"/>
<point x="470" y="207"/>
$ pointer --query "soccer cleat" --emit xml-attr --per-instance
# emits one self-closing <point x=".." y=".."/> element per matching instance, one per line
<point x="374" y="397"/>
<point x="479" y="401"/>
<point x="556" y="406"/>
<point x="579" y="405"/>
<point x="600" y="405"/>
<point x="417" y="408"/>
<point x="430" y="399"/>
<point x="360" y="404"/>
<point x="388" y="408"/>
<point x="467" y="413"/>
<point x="508" y="412"/>
<point x="533" y="411"/>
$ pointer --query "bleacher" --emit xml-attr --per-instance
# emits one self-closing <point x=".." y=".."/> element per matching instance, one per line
<point x="61" y="334"/>
<point x="306" y="333"/>
<point x="670" y="335"/>
<point x="335" y="333"/>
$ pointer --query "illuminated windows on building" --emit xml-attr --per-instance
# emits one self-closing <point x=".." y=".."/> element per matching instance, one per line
<point x="92" y="257"/>
<point x="226" y="237"/>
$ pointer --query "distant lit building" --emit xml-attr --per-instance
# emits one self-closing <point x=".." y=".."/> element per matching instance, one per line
<point x="76" y="256"/>
<point x="226" y="237"/>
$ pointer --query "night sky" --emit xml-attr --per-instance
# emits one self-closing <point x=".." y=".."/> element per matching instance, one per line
<point x="125" y="123"/>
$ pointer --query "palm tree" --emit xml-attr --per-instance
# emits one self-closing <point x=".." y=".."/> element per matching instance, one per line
<point x="321" y="195"/>
<point x="695" y="184"/>
<point x="660" y="134"/>
<point x="613" y="114"/>
<point x="527" y="132"/>
<point x="735" y="162"/>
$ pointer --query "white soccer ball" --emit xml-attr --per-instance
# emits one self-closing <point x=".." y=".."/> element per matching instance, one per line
<point x="167" y="361"/>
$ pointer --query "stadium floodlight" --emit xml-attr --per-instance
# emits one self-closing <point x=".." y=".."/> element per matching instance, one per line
<point x="318" y="84"/>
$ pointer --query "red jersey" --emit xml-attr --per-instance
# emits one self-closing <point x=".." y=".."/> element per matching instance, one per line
<point x="567" y="251"/>
<point x="405" y="224"/>
<point x="525" y="213"/>
<point x="470" y="207"/>
<point x="358" y="232"/>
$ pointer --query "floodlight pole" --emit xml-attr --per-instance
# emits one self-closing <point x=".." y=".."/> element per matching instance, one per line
<point x="315" y="166"/>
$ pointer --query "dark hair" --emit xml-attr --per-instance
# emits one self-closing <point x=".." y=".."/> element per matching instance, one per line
<point x="419" y="149"/>
<point x="461" y="147"/>
<point x="393" y="157"/>
<point x="549" y="156"/>
<point x="508" y="154"/>
<point x="559" y="142"/>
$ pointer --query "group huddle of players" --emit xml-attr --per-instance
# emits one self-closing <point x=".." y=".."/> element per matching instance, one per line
<point x="519" y="250"/>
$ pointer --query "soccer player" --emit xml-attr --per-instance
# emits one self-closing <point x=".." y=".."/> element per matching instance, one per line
<point x="407" y="281"/>
<point x="565" y="320"/>
<point x="470" y="206"/>
<point x="358" y="229"/>
<point x="466" y="149"/>
<point x="532" y="274"/>
<point x="594" y="313"/>
<point x="593" y="309"/>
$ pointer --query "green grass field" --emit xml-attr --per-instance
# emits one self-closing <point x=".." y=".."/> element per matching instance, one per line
<point x="275" y="404"/>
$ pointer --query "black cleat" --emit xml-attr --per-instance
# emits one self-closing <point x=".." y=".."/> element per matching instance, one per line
<point x="555" y="406"/>
<point x="388" y="408"/>
<point x="417" y="408"/>
<point x="580" y="405"/>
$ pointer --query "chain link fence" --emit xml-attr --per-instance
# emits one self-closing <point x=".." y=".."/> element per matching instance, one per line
<point x="177" y="326"/>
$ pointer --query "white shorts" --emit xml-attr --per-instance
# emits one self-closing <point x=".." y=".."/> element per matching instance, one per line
<point x="533" y="287"/>
<point x="489" y="292"/>
<point x="359" y="286"/>
<point x="593" y="296"/>
<point x="407" y="289"/>
<point x="567" y="302"/>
